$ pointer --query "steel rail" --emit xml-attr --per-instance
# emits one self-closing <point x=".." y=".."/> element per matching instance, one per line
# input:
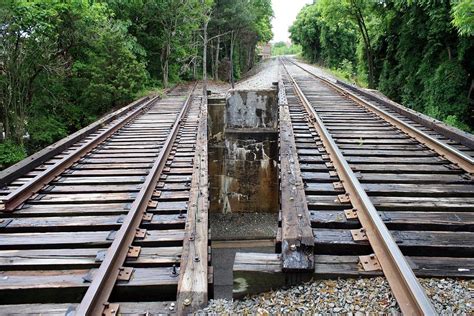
<point x="29" y="163"/>
<point x="408" y="292"/>
<point x="98" y="293"/>
<point x="24" y="192"/>
<point x="447" y="151"/>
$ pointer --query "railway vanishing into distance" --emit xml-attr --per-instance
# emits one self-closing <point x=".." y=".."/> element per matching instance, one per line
<point x="114" y="219"/>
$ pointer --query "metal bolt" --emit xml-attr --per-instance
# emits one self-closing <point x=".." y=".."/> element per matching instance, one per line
<point x="174" y="271"/>
<point x="293" y="247"/>
<point x="187" y="302"/>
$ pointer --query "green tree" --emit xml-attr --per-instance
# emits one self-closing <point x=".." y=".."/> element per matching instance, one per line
<point x="238" y="26"/>
<point x="416" y="52"/>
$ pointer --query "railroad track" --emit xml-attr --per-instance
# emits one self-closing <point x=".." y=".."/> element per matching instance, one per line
<point x="116" y="221"/>
<point x="374" y="194"/>
<point x="114" y="218"/>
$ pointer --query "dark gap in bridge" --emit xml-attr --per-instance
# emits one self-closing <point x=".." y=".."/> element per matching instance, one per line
<point x="243" y="178"/>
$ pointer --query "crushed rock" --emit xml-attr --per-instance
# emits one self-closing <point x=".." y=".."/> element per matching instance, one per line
<point x="261" y="76"/>
<point x="347" y="296"/>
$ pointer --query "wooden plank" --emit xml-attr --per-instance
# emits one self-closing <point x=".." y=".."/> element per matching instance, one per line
<point x="193" y="278"/>
<point x="400" y="220"/>
<point x="399" y="168"/>
<point x="57" y="259"/>
<point x="84" y="239"/>
<point x="126" y="308"/>
<point x="92" y="188"/>
<point x="297" y="235"/>
<point x="59" y="286"/>
<point x="259" y="272"/>
<point x="465" y="204"/>
<point x="396" y="189"/>
<point x="71" y="209"/>
<point x="426" y="243"/>
<point x="100" y="179"/>
<point x="53" y="198"/>
<point x="85" y="223"/>
<point x="454" y="133"/>
<point x="107" y="172"/>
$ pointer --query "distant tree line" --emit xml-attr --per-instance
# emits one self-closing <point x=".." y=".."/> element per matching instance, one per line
<point x="65" y="63"/>
<point x="419" y="53"/>
<point x="282" y="48"/>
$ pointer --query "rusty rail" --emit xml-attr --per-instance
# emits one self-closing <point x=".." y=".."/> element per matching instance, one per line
<point x="408" y="292"/>
<point x="95" y="301"/>
<point x="449" y="152"/>
<point x="24" y="192"/>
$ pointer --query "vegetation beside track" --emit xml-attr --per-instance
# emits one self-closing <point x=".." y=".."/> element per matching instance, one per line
<point x="418" y="53"/>
<point x="63" y="64"/>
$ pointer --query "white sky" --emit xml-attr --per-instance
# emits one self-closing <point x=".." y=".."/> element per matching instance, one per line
<point x="285" y="12"/>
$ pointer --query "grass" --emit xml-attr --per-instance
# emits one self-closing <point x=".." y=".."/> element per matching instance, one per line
<point x="345" y="72"/>
<point x="160" y="91"/>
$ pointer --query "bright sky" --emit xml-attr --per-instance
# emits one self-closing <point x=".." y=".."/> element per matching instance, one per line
<point x="285" y="12"/>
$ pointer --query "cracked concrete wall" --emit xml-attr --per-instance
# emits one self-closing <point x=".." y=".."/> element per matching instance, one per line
<point x="243" y="152"/>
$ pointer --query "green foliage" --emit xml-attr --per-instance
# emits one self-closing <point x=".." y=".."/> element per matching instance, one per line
<point x="421" y="51"/>
<point x="326" y="36"/>
<point x="238" y="26"/>
<point x="44" y="130"/>
<point x="281" y="48"/>
<point x="306" y="31"/>
<point x="442" y="90"/>
<point x="10" y="153"/>
<point x="65" y="63"/>
<point x="463" y="16"/>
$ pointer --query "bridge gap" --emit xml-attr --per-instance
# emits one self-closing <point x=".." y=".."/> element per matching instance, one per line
<point x="243" y="157"/>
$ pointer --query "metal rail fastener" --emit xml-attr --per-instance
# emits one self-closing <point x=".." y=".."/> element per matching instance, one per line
<point x="104" y="280"/>
<point x="444" y="150"/>
<point x="24" y="192"/>
<point x="408" y="292"/>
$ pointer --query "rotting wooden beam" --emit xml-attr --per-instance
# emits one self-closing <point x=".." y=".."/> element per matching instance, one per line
<point x="297" y="235"/>
<point x="193" y="278"/>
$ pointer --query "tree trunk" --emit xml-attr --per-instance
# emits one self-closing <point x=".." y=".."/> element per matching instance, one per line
<point x="165" y="64"/>
<point x="204" y="61"/>
<point x="368" y="47"/>
<point x="216" y="60"/>
<point x="232" y="59"/>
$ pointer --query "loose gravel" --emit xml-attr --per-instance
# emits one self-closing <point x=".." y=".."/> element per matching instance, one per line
<point x="450" y="296"/>
<point x="354" y="296"/>
<point x="362" y="296"/>
<point x="261" y="77"/>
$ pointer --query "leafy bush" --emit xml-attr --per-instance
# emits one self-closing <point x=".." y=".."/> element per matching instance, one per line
<point x="10" y="154"/>
<point x="442" y="91"/>
<point x="453" y="120"/>
<point x="45" y="130"/>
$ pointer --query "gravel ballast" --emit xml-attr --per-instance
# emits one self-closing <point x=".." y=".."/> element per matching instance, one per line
<point x="357" y="296"/>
